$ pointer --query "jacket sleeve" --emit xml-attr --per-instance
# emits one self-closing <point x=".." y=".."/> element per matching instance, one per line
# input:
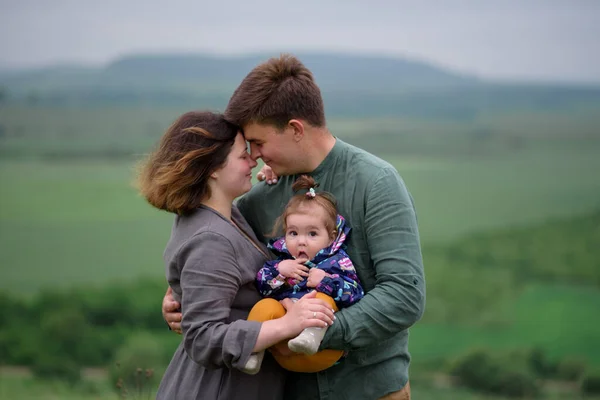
<point x="343" y="285"/>
<point x="210" y="280"/>
<point x="268" y="278"/>
<point x="397" y="300"/>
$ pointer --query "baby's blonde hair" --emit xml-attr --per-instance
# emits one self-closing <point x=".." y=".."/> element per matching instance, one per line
<point x="323" y="199"/>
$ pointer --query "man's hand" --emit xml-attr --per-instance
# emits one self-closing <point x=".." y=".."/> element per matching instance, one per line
<point x="294" y="269"/>
<point x="266" y="173"/>
<point x="315" y="276"/>
<point x="171" y="311"/>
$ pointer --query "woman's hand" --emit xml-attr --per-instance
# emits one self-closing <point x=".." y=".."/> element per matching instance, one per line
<point x="294" y="269"/>
<point x="305" y="313"/>
<point x="171" y="312"/>
<point x="266" y="173"/>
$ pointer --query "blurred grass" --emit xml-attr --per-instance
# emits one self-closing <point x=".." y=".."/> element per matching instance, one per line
<point x="74" y="222"/>
<point x="16" y="385"/>
<point x="562" y="320"/>
<point x="70" y="216"/>
<point x="63" y="224"/>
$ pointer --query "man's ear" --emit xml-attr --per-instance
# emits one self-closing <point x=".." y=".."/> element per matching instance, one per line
<point x="297" y="129"/>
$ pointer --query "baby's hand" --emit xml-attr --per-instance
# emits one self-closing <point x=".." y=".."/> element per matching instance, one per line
<point x="315" y="276"/>
<point x="294" y="269"/>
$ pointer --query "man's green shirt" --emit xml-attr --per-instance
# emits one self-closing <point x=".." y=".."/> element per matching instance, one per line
<point x="385" y="249"/>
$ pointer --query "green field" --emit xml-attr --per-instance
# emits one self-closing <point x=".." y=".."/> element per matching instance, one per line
<point x="70" y="217"/>
<point x="559" y="319"/>
<point x="64" y="223"/>
<point x="17" y="385"/>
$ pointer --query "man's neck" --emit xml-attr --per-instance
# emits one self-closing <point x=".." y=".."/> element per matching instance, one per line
<point x="320" y="145"/>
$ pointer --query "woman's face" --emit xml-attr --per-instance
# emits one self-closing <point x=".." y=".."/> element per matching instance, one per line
<point x="234" y="178"/>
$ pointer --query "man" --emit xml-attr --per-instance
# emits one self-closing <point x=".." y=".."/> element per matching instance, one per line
<point x="280" y="108"/>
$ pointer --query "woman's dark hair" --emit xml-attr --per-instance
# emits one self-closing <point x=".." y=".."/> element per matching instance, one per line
<point x="175" y="176"/>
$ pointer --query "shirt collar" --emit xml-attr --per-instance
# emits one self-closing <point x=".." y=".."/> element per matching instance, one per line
<point x="329" y="160"/>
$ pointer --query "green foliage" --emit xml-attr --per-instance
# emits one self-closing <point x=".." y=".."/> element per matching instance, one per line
<point x="571" y="369"/>
<point x="62" y="330"/>
<point x="540" y="364"/>
<point x="18" y="385"/>
<point x="590" y="384"/>
<point x="137" y="365"/>
<point x="463" y="293"/>
<point x="482" y="370"/>
<point x="520" y="372"/>
<point x="83" y="326"/>
<point x="567" y="368"/>
<point x="563" y="250"/>
<point x="64" y="369"/>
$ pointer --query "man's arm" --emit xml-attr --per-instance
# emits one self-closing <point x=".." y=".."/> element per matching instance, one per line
<point x="398" y="299"/>
<point x="171" y="311"/>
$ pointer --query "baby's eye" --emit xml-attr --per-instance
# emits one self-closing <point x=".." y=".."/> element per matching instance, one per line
<point x="313" y="233"/>
<point x="292" y="233"/>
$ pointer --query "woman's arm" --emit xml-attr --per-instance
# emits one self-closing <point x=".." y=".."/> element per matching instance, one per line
<point x="210" y="280"/>
<point x="300" y="315"/>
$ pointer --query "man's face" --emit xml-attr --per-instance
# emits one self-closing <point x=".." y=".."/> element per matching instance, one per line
<point x="277" y="148"/>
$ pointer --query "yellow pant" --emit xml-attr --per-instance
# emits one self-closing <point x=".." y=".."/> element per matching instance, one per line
<point x="268" y="309"/>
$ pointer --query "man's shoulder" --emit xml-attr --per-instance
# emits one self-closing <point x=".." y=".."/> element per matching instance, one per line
<point x="366" y="164"/>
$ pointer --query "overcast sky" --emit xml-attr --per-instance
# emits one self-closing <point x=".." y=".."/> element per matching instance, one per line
<point x="501" y="39"/>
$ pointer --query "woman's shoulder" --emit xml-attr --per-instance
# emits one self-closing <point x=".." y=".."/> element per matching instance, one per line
<point x="202" y="220"/>
<point x="202" y="225"/>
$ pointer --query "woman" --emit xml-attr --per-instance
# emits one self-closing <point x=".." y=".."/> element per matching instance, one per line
<point x="212" y="258"/>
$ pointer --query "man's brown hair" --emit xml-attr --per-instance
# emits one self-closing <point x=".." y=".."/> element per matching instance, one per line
<point x="175" y="176"/>
<point x="275" y="92"/>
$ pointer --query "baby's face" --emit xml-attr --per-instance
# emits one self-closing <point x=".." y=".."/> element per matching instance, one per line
<point x="306" y="233"/>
